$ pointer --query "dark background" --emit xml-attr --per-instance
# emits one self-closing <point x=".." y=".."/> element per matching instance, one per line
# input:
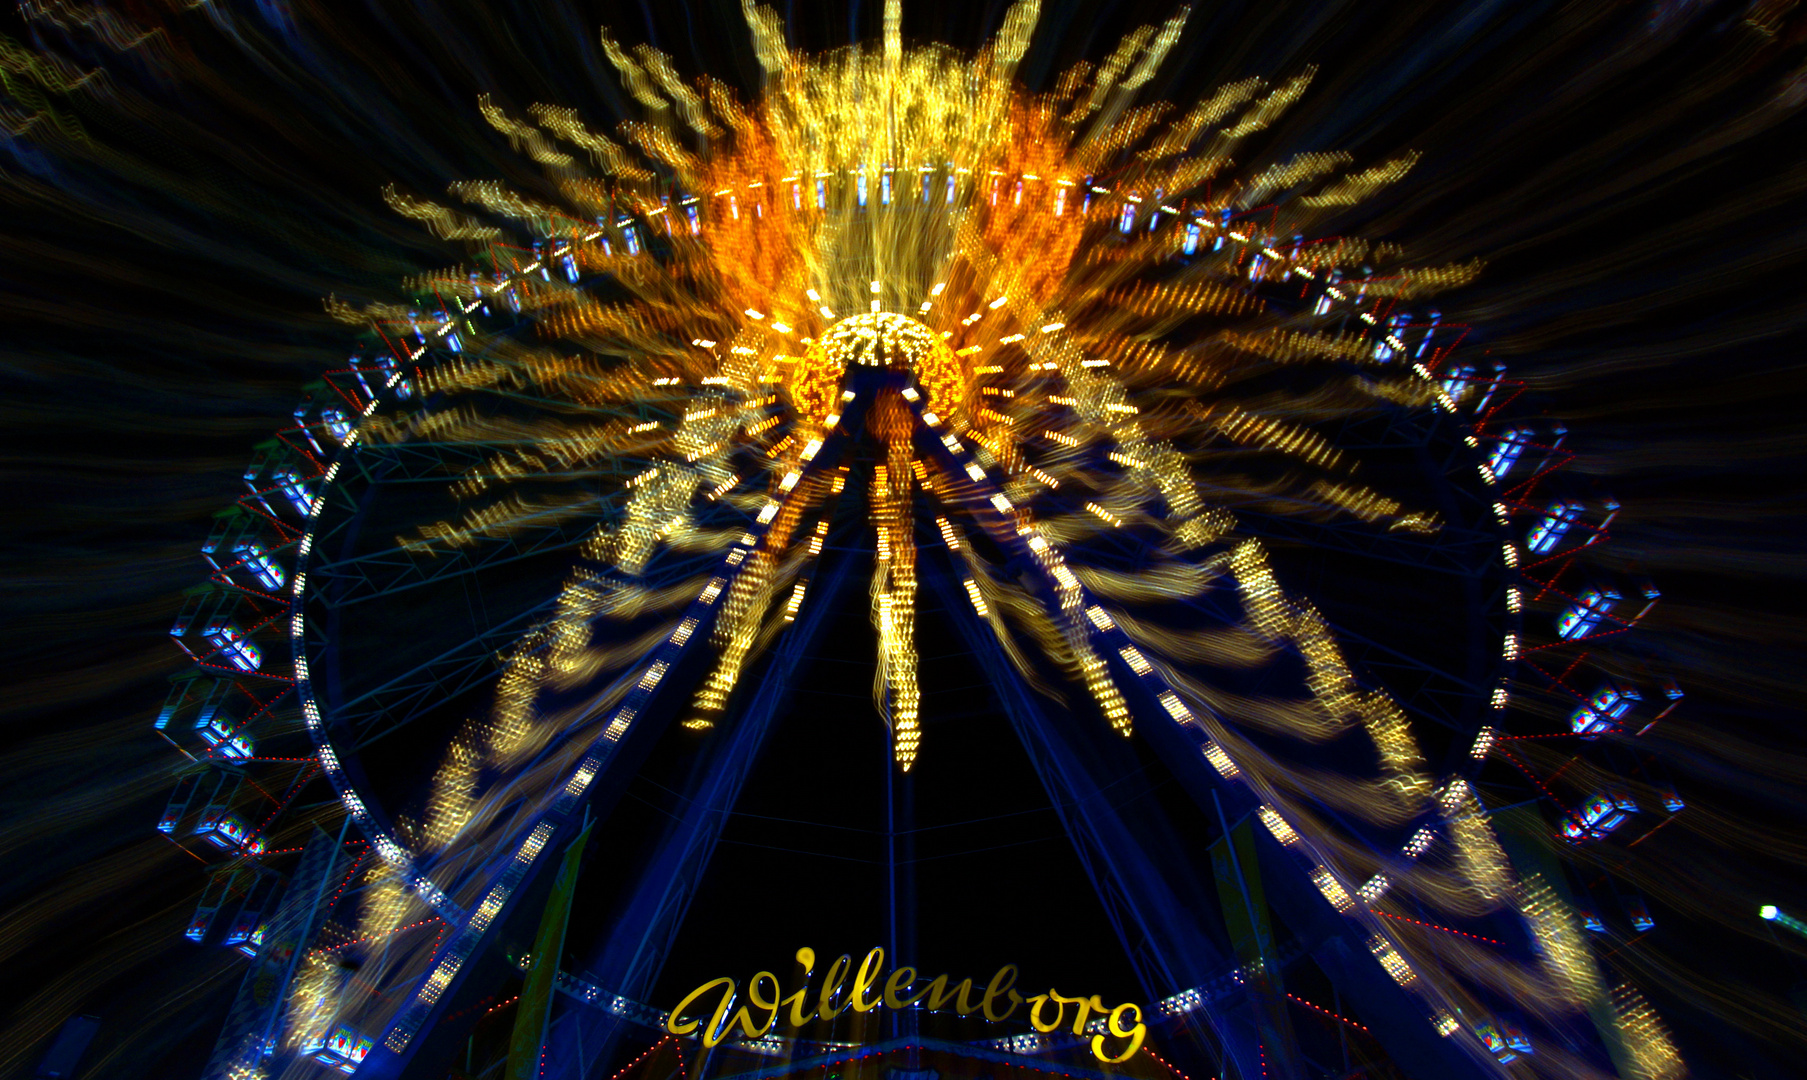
<point x="1630" y="173"/>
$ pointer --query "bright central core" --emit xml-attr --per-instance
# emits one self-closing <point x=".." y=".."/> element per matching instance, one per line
<point x="881" y="339"/>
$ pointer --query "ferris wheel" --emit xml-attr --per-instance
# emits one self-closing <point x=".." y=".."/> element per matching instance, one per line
<point x="1044" y="416"/>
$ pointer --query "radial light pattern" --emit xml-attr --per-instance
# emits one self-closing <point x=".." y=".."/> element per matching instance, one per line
<point x="1030" y="328"/>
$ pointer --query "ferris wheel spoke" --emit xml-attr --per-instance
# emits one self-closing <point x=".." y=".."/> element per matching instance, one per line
<point x="360" y="578"/>
<point x="436" y="461"/>
<point x="1387" y="429"/>
<point x="383" y="710"/>
<point x="1127" y="896"/>
<point x="379" y="462"/>
<point x="583" y="475"/>
<point x="1451" y="550"/>
<point x="1441" y="694"/>
<point x="1397" y="658"/>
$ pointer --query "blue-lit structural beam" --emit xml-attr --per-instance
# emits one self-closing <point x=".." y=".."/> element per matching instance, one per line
<point x="256" y="1011"/>
<point x="1398" y="1017"/>
<point x="1158" y="928"/>
<point x="633" y="954"/>
<point x="512" y="873"/>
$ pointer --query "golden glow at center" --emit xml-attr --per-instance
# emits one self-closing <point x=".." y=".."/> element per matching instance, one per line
<point x="881" y="339"/>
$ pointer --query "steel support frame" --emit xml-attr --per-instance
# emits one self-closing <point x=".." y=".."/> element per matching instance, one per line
<point x="1142" y="909"/>
<point x="630" y="960"/>
<point x="1340" y="950"/>
<point x="516" y="869"/>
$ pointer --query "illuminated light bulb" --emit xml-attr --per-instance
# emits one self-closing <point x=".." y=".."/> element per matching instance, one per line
<point x="1278" y="826"/>
<point x="1332" y="889"/>
<point x="1104" y="514"/>
<point x="1390" y="959"/>
<point x="1221" y="761"/>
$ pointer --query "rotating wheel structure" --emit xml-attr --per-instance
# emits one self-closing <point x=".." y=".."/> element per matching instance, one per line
<point x="915" y="488"/>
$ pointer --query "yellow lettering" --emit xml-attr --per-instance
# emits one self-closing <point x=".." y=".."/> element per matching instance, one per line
<point x="939" y="995"/>
<point x="671" y="1022"/>
<point x="1135" y="1034"/>
<point x="765" y="1003"/>
<point x="832" y="984"/>
<point x="745" y="1018"/>
<point x="864" y="981"/>
<point x="1035" y="1012"/>
<point x="1086" y="1005"/>
<point x="1000" y="986"/>
<point x="798" y="1002"/>
<point x="900" y="981"/>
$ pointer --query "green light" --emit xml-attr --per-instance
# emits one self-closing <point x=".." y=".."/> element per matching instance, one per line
<point x="1781" y="918"/>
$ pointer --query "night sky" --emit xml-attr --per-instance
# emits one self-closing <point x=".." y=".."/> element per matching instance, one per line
<point x="182" y="186"/>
